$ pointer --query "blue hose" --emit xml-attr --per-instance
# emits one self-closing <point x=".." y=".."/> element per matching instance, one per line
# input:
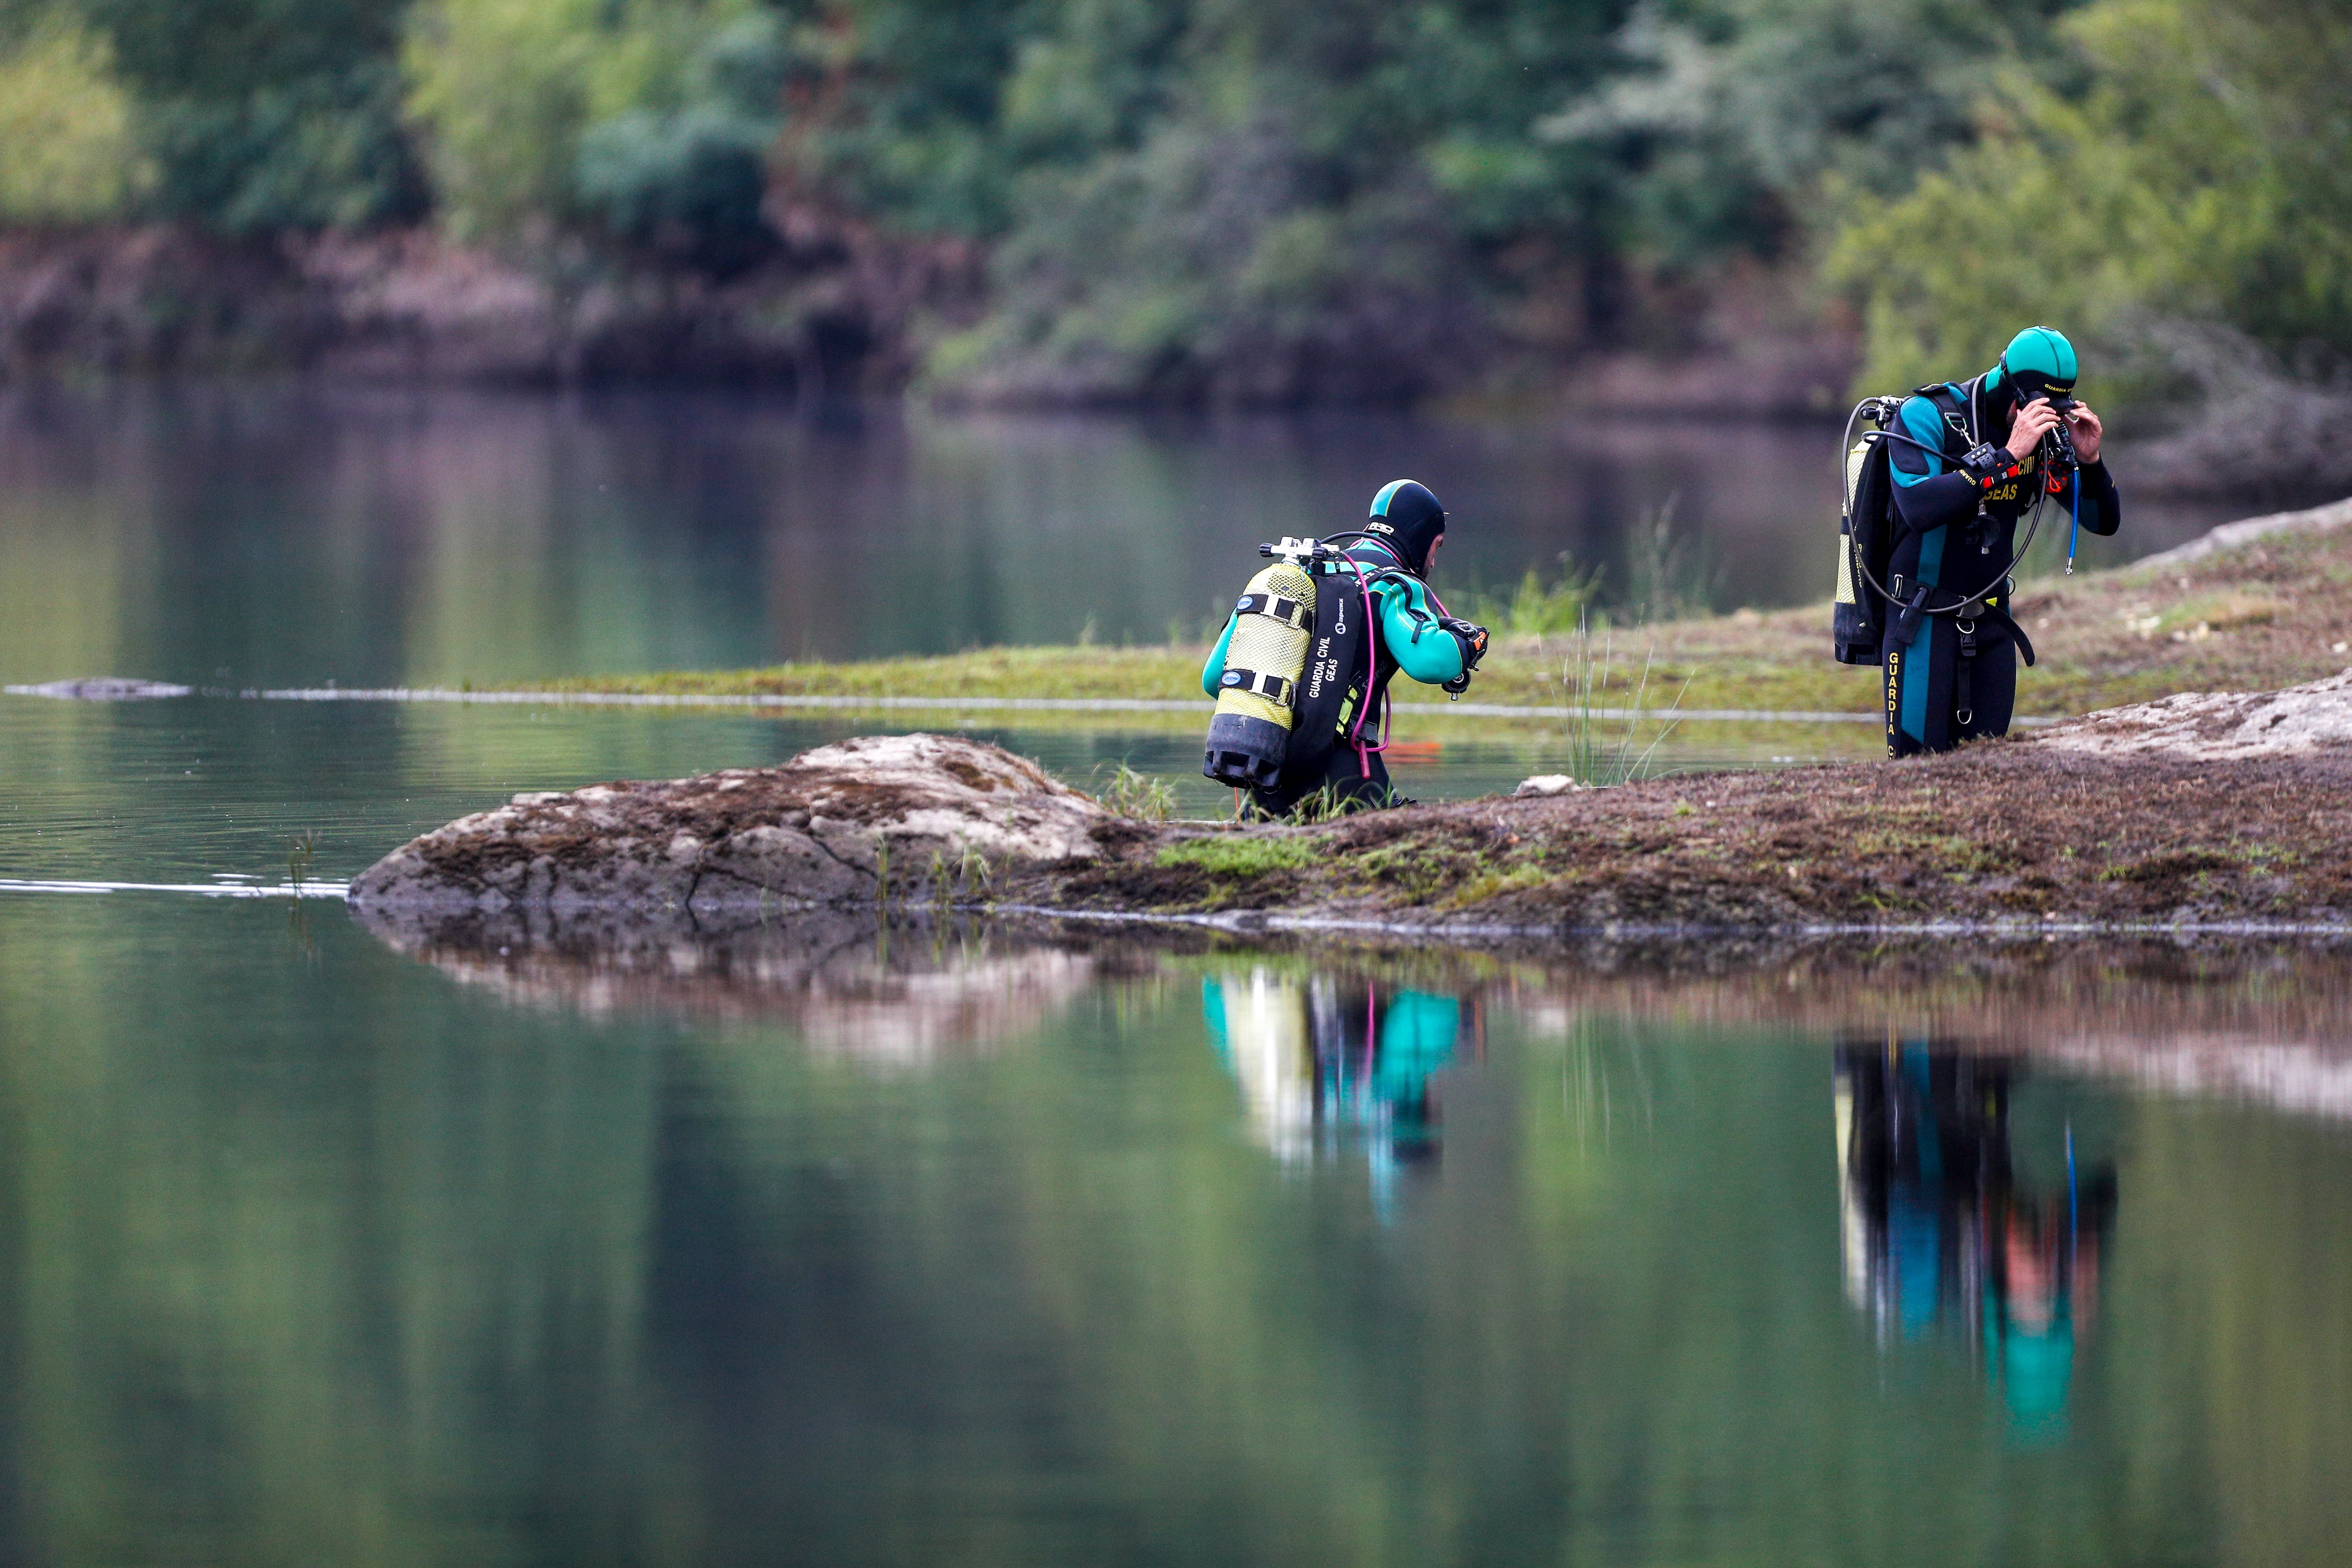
<point x="2077" y="532"/>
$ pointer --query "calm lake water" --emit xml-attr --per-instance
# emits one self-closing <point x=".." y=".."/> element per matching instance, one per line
<point x="293" y="536"/>
<point x="327" y="1244"/>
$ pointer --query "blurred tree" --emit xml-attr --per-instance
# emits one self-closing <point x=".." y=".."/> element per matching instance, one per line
<point x="1730" y="118"/>
<point x="897" y="107"/>
<point x="645" y="121"/>
<point x="1272" y="200"/>
<point x="266" y="114"/>
<point x="686" y="183"/>
<point x="2202" y="176"/>
<point x="1322" y="202"/>
<point x="66" y="154"/>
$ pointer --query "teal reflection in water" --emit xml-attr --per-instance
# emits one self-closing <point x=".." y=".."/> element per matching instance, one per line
<point x="825" y="1244"/>
<point x="1335" y="1059"/>
<point x="1943" y="1233"/>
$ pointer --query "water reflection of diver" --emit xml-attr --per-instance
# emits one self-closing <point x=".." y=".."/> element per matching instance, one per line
<point x="1323" y="1059"/>
<point x="1940" y="1232"/>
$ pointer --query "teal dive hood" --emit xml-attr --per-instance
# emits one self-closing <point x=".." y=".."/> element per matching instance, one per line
<point x="2037" y="361"/>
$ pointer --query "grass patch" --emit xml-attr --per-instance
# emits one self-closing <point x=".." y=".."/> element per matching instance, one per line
<point x="1138" y="796"/>
<point x="2272" y="614"/>
<point x="1237" y="854"/>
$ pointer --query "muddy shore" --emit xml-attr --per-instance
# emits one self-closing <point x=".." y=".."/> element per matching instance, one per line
<point x="2201" y="812"/>
<point x="2001" y="834"/>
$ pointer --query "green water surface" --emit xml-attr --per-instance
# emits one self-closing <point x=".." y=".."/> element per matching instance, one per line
<point x="965" y="1245"/>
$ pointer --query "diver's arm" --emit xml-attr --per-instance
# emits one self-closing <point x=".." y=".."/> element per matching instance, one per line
<point x="1932" y="503"/>
<point x="1423" y="649"/>
<point x="1216" y="668"/>
<point x="2102" y="506"/>
<point x="1925" y="496"/>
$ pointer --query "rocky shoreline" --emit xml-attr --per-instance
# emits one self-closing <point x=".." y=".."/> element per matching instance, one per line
<point x="839" y="309"/>
<point x="829" y="317"/>
<point x="2221" y="812"/>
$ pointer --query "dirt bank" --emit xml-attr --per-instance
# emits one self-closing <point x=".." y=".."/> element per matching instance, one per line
<point x="836" y="307"/>
<point x="2215" y="811"/>
<point x="2004" y="831"/>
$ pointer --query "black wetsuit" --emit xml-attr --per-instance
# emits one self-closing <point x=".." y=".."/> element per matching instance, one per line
<point x="1949" y="678"/>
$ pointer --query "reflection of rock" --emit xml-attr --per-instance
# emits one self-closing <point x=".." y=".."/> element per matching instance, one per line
<point x="850" y="987"/>
<point x="2265" y="1023"/>
<point x="2312" y="1079"/>
<point x="102" y="688"/>
<point x="895" y="817"/>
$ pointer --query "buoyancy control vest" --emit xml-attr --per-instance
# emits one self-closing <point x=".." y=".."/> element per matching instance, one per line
<point x="1868" y="527"/>
<point x="1871" y="532"/>
<point x="1300" y="642"/>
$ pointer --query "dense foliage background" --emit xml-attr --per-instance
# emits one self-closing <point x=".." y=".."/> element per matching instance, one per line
<point x="1281" y="199"/>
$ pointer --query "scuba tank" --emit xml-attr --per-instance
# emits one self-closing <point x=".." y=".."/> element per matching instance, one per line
<point x="1292" y="667"/>
<point x="1249" y="739"/>
<point x="1865" y="536"/>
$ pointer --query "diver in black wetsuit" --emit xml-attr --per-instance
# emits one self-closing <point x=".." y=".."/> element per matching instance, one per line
<point x="1410" y="631"/>
<point x="1973" y="458"/>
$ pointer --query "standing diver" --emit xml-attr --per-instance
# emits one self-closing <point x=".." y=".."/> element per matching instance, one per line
<point x="1949" y="655"/>
<point x="1410" y="631"/>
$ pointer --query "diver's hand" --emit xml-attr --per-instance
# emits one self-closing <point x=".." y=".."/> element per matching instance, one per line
<point x="2033" y="421"/>
<point x="2087" y="432"/>
<point x="1471" y="635"/>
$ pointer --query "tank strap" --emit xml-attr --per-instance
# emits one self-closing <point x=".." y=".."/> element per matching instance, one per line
<point x="1964" y="675"/>
<point x="1274" y="607"/>
<point x="1274" y="688"/>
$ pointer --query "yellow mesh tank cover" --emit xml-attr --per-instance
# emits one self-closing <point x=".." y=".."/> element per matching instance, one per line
<point x="1264" y="645"/>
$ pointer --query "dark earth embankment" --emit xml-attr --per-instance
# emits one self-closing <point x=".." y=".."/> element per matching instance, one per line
<point x="830" y="315"/>
<point x="2001" y="832"/>
<point x="835" y="308"/>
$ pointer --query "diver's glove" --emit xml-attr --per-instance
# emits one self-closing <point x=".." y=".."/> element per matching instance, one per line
<point x="1472" y="639"/>
<point x="1471" y="635"/>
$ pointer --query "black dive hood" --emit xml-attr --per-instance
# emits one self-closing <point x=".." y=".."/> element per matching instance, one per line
<point x="1408" y="517"/>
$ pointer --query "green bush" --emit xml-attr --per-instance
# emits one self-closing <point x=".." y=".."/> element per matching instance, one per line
<point x="688" y="184"/>
<point x="2202" y="176"/>
<point x="507" y="93"/>
<point x="263" y="115"/>
<point x="67" y="149"/>
<point x="1537" y="608"/>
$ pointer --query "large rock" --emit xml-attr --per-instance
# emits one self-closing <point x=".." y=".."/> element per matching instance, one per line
<point x="2218" y="726"/>
<point x="878" y="820"/>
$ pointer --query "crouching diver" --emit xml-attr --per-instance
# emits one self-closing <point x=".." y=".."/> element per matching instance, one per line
<point x="1961" y="486"/>
<point x="1388" y="562"/>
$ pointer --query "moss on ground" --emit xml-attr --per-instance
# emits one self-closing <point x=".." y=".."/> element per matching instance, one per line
<point x="1998" y="831"/>
<point x="1240" y="857"/>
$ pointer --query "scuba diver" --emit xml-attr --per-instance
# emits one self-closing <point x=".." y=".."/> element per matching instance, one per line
<point x="1960" y="485"/>
<point x="1388" y="562"/>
